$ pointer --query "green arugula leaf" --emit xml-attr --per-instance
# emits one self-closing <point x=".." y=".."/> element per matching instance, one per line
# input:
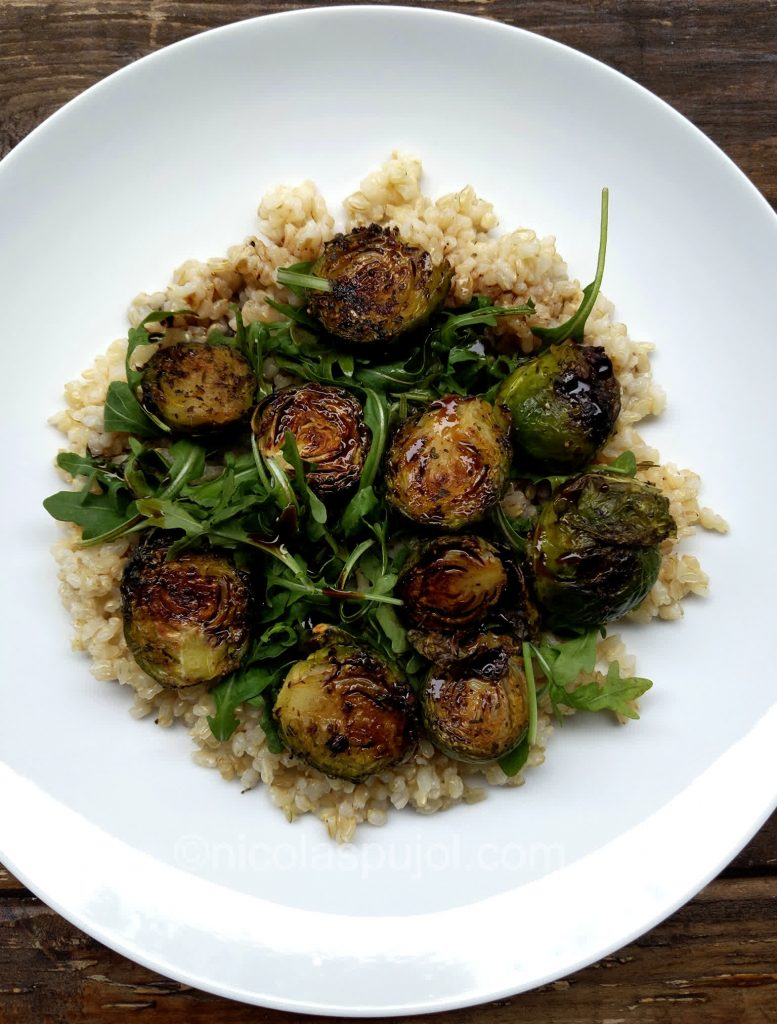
<point x="171" y="515"/>
<point x="96" y="514"/>
<point x="574" y="657"/>
<point x="186" y="464"/>
<point x="274" y="742"/>
<point x="124" y="414"/>
<point x="613" y="694"/>
<point x="311" y="499"/>
<point x="625" y="464"/>
<point x="484" y="314"/>
<point x="243" y="685"/>
<point x="85" y="465"/>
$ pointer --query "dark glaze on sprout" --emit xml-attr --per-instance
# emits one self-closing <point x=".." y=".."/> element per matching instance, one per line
<point x="345" y="711"/>
<point x="564" y="405"/>
<point x="451" y="583"/>
<point x="381" y="287"/>
<point x="477" y="709"/>
<point x="594" y="551"/>
<point x="328" y="425"/>
<point x="449" y="465"/>
<point x="196" y="388"/>
<point x="187" y="620"/>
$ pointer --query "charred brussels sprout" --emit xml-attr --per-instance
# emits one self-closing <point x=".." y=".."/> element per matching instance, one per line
<point x="345" y="711"/>
<point x="449" y="465"/>
<point x="594" y="551"/>
<point x="381" y="288"/>
<point x="328" y="425"/>
<point x="187" y="620"/>
<point x="198" y="388"/>
<point x="564" y="404"/>
<point x="451" y="583"/>
<point x="477" y="709"/>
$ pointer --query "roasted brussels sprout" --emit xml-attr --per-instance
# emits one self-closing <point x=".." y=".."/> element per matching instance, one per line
<point x="451" y="583"/>
<point x="196" y="388"/>
<point x="328" y="425"/>
<point x="477" y="709"/>
<point x="345" y="711"/>
<point x="594" y="551"/>
<point x="448" y="465"/>
<point x="564" y="404"/>
<point x="187" y="620"/>
<point x="381" y="288"/>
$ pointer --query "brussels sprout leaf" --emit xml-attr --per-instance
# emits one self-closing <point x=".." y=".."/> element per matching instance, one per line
<point x="575" y="326"/>
<point x="512" y="763"/>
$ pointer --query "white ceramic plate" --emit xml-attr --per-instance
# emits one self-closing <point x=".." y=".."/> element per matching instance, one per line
<point x="106" y="818"/>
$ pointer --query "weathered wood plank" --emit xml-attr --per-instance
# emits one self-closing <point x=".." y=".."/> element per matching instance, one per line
<point x="710" y="59"/>
<point x="716" y="956"/>
<point x="760" y="854"/>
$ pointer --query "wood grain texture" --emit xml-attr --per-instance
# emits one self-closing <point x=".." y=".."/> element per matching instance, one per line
<point x="716" y="959"/>
<point x="712" y="60"/>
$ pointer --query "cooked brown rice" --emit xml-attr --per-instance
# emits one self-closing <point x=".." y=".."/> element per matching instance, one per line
<point x="293" y="225"/>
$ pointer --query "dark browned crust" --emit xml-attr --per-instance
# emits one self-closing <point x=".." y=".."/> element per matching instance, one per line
<point x="449" y="465"/>
<point x="178" y="594"/>
<point x="328" y="425"/>
<point x="368" y="722"/>
<point x="451" y="583"/>
<point x="381" y="286"/>
<point x="196" y="388"/>
<point x="589" y="389"/>
<point x="476" y="709"/>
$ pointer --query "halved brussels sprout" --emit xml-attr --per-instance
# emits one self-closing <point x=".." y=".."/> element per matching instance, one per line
<point x="381" y="287"/>
<point x="477" y="709"/>
<point x="594" y="551"/>
<point x="195" y="388"/>
<point x="449" y="465"/>
<point x="345" y="711"/>
<point x="564" y="404"/>
<point x="328" y="425"/>
<point x="515" y="610"/>
<point x="187" y="620"/>
<point x="451" y="583"/>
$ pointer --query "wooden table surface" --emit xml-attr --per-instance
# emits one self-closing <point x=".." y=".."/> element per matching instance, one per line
<point x="716" y="959"/>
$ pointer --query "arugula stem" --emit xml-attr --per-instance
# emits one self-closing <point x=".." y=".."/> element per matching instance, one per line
<point x="575" y="326"/>
<point x="284" y="492"/>
<point x="287" y="276"/>
<point x="349" y="566"/>
<point x="130" y="526"/>
<point x="485" y="315"/>
<point x="360" y="595"/>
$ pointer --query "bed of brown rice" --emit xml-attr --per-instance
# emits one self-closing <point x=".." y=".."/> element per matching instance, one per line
<point x="293" y="225"/>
